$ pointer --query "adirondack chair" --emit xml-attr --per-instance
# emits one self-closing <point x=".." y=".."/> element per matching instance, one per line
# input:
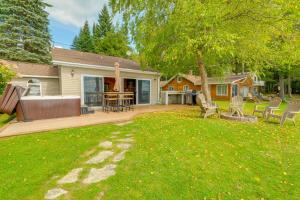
<point x="273" y="105"/>
<point x="289" y="114"/>
<point x="207" y="109"/>
<point x="237" y="106"/>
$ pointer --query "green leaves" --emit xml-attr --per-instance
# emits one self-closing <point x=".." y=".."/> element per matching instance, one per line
<point x="84" y="41"/>
<point x="6" y="74"/>
<point x="104" y="39"/>
<point x="170" y="34"/>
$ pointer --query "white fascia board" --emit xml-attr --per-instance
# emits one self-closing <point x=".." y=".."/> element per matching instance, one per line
<point x="79" y="65"/>
<point x="36" y="76"/>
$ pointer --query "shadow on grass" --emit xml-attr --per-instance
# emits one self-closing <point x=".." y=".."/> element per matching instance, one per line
<point x="4" y="119"/>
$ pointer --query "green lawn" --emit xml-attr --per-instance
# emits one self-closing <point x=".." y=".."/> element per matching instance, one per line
<point x="4" y="119"/>
<point x="176" y="155"/>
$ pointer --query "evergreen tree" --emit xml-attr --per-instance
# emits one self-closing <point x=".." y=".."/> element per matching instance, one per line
<point x="84" y="42"/>
<point x="113" y="44"/>
<point x="24" y="33"/>
<point x="104" y="23"/>
<point x="75" y="43"/>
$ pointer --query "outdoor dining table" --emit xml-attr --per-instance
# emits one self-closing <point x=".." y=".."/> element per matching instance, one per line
<point x="117" y="101"/>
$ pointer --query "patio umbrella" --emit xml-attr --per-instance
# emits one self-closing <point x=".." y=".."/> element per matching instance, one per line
<point x="117" y="86"/>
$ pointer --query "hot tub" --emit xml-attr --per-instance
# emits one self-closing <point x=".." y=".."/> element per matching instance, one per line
<point x="32" y="108"/>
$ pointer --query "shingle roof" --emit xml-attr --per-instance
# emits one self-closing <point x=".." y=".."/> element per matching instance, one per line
<point x="65" y="55"/>
<point x="196" y="80"/>
<point x="24" y="68"/>
<point x="73" y="56"/>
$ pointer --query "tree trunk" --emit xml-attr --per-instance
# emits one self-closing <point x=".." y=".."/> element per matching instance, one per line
<point x="281" y="87"/>
<point x="290" y="85"/>
<point x="204" y="81"/>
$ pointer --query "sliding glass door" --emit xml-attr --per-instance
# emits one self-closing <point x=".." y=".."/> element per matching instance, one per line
<point x="93" y="88"/>
<point x="144" y="91"/>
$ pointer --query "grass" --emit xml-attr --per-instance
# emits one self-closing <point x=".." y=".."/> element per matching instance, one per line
<point x="4" y="119"/>
<point x="176" y="155"/>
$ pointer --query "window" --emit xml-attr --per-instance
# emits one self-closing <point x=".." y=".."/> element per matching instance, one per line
<point x="186" y="88"/>
<point x="222" y="90"/>
<point x="171" y="88"/>
<point x="179" y="79"/>
<point x="35" y="87"/>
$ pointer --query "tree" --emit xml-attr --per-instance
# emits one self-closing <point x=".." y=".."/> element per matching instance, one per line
<point x="84" y="42"/>
<point x="113" y="44"/>
<point x="24" y="33"/>
<point x="6" y="74"/>
<point x="285" y="47"/>
<point x="174" y="36"/>
<point x="104" y="24"/>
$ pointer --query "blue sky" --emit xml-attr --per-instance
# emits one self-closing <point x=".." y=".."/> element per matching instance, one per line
<point x="67" y="16"/>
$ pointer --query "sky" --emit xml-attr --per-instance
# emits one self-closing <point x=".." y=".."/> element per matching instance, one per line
<point x="67" y="17"/>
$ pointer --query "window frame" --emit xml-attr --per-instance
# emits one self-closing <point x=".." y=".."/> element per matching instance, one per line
<point x="179" y="79"/>
<point x="222" y="94"/>
<point x="37" y="83"/>
<point x="170" y="87"/>
<point x="186" y="88"/>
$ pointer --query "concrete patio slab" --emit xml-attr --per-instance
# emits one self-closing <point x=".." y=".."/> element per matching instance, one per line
<point x="98" y="117"/>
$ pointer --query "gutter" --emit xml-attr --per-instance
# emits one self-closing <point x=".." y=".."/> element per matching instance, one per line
<point x="79" y="65"/>
<point x="36" y="76"/>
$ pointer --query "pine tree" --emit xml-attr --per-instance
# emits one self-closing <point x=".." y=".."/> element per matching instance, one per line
<point x="75" y="43"/>
<point x="104" y="23"/>
<point x="24" y="33"/>
<point x="113" y="44"/>
<point x="83" y="42"/>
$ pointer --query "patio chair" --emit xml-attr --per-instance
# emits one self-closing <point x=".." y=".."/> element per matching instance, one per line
<point x="289" y="114"/>
<point x="237" y="106"/>
<point x="207" y="109"/>
<point x="273" y="105"/>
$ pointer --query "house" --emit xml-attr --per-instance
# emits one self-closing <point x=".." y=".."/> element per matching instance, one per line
<point x="220" y="88"/>
<point x="87" y="75"/>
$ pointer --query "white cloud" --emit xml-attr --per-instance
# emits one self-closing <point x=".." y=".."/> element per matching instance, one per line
<point x="58" y="46"/>
<point x="75" y="12"/>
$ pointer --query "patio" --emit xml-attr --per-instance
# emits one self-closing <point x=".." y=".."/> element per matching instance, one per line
<point x="99" y="117"/>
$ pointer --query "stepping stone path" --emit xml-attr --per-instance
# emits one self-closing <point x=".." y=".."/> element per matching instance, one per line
<point x="103" y="155"/>
<point x="124" y="146"/>
<point x="55" y="193"/>
<point x="126" y="140"/>
<point x="106" y="145"/>
<point x="97" y="175"/>
<point x="119" y="156"/>
<point x="71" y="177"/>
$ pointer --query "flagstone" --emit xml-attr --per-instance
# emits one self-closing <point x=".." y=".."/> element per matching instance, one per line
<point x="103" y="155"/>
<point x="106" y="144"/>
<point x="119" y="156"/>
<point x="126" y="140"/>
<point x="55" y="193"/>
<point x="97" y="175"/>
<point x="124" y="145"/>
<point x="71" y="177"/>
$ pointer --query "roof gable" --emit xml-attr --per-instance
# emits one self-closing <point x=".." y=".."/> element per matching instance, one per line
<point x="72" y="56"/>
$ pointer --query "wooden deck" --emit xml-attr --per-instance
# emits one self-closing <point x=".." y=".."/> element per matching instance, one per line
<point x="99" y="117"/>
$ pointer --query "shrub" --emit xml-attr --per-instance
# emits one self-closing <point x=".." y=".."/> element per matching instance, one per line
<point x="6" y="74"/>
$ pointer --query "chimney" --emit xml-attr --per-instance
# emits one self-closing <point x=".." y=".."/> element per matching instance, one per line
<point x="191" y="72"/>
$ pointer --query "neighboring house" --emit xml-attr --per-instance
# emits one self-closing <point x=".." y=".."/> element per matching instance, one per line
<point x="86" y="75"/>
<point x="220" y="88"/>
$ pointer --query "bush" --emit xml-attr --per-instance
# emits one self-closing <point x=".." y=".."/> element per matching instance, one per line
<point x="6" y="74"/>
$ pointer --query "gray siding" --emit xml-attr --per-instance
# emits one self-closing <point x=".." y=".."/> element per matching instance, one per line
<point x="50" y="86"/>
